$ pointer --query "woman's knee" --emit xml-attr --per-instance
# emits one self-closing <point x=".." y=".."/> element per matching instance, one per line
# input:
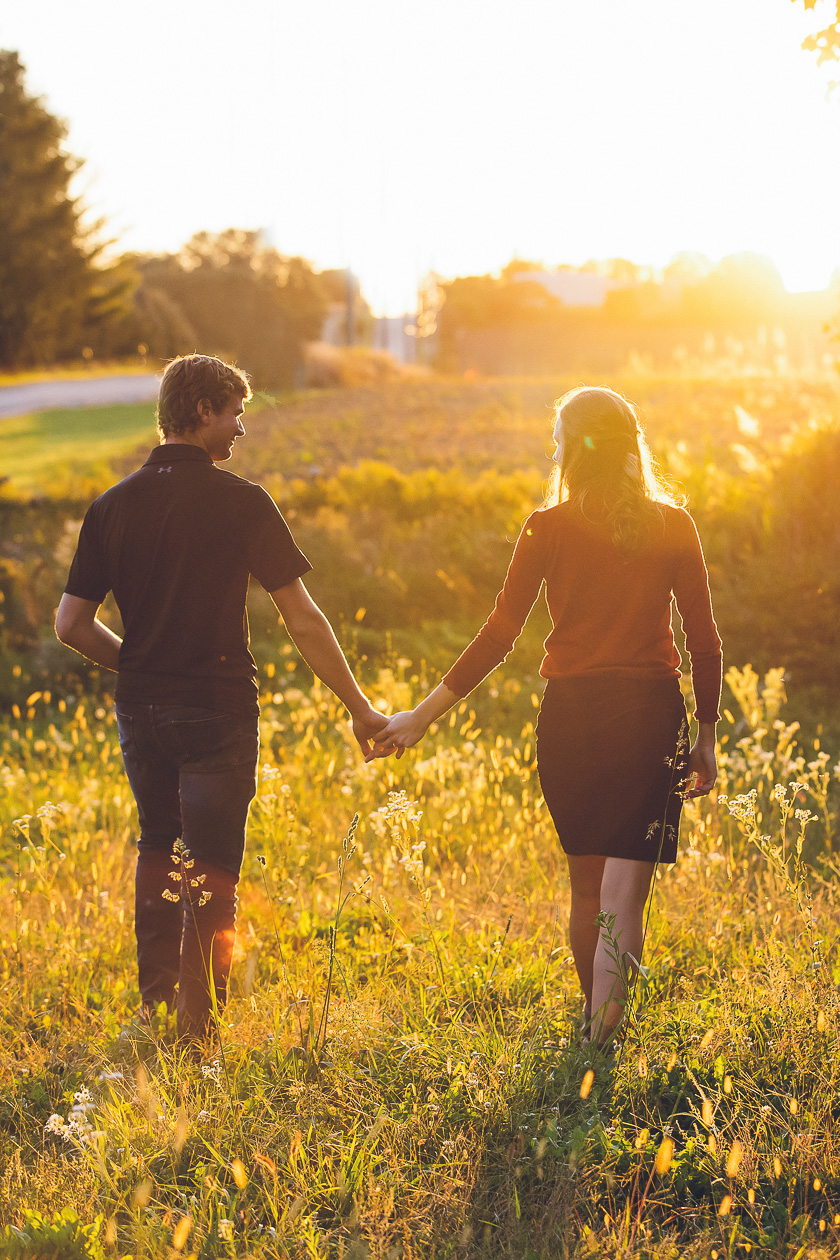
<point x="585" y="877"/>
<point x="625" y="882"/>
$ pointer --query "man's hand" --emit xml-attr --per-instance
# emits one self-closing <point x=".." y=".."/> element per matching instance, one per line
<point x="367" y="726"/>
<point x="401" y="731"/>
<point x="408" y="728"/>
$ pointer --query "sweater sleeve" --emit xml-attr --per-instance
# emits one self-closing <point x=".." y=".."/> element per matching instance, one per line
<point x="694" y="602"/>
<point x="513" y="604"/>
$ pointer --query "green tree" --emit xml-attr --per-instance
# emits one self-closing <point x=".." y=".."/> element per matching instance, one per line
<point x="471" y="302"/>
<point x="230" y="294"/>
<point x="54" y="297"/>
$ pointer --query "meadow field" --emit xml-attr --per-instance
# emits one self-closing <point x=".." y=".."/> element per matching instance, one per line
<point x="399" y="1070"/>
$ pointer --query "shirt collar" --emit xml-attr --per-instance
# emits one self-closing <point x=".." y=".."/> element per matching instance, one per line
<point x="174" y="452"/>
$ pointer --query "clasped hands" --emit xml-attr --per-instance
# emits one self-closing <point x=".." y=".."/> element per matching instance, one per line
<point x="400" y="731"/>
<point x="394" y="734"/>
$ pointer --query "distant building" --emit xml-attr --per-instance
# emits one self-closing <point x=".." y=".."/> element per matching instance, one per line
<point x="391" y="334"/>
<point x="334" y="330"/>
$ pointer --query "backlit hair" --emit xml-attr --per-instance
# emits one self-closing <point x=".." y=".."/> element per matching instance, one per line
<point x="189" y="379"/>
<point x="606" y="465"/>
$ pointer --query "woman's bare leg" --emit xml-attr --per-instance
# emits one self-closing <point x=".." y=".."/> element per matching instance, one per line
<point x="585" y="875"/>
<point x="624" y="889"/>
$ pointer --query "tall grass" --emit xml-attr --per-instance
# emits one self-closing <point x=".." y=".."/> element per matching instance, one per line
<point x="401" y="1070"/>
<point x="407" y="498"/>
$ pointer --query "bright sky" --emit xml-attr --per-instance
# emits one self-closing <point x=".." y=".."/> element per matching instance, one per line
<point x="395" y="137"/>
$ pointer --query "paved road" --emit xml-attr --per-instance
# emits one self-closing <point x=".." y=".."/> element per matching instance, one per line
<point x="96" y="391"/>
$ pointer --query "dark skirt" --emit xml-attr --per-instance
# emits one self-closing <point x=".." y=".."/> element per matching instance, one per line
<point x="612" y="756"/>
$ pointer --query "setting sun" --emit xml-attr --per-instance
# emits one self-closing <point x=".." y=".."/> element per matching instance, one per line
<point x="396" y="140"/>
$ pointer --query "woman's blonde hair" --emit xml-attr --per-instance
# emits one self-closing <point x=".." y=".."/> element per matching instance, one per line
<point x="606" y="463"/>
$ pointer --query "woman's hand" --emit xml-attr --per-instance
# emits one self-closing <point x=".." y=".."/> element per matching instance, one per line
<point x="403" y="731"/>
<point x="702" y="764"/>
<point x="408" y="728"/>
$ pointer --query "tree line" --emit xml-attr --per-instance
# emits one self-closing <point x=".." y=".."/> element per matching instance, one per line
<point x="64" y="295"/>
<point x="692" y="300"/>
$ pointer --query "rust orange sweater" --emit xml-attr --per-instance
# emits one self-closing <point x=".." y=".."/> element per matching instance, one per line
<point x="611" y="609"/>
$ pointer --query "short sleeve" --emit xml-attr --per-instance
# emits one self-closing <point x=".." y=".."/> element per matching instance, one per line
<point x="88" y="577"/>
<point x="273" y="557"/>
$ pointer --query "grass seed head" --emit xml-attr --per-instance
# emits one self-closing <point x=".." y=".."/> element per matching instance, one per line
<point x="182" y="1128"/>
<point x="181" y="1233"/>
<point x="586" y="1083"/>
<point x="664" y="1156"/>
<point x="141" y="1077"/>
<point x="141" y="1194"/>
<point x="733" y="1162"/>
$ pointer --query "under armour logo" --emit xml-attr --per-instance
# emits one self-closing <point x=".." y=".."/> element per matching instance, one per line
<point x="168" y="469"/>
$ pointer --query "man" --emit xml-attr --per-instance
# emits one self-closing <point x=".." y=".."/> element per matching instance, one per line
<point x="176" y="542"/>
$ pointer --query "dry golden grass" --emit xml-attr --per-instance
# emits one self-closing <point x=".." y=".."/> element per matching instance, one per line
<point x="448" y="1108"/>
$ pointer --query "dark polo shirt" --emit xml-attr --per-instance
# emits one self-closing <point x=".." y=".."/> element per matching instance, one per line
<point x="176" y="542"/>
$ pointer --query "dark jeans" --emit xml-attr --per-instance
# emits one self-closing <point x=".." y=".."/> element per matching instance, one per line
<point x="193" y="774"/>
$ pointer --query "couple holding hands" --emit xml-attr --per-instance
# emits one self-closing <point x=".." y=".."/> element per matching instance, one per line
<point x="177" y="542"/>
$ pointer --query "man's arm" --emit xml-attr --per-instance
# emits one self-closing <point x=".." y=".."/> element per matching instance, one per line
<point x="313" y="637"/>
<point x="77" y="625"/>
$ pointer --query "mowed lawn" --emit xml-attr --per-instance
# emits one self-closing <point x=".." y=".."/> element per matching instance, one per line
<point x="50" y="452"/>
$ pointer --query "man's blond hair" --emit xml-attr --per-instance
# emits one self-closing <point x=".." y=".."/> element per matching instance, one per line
<point x="189" y="379"/>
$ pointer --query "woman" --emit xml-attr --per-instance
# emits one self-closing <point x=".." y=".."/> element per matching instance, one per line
<point x="611" y="546"/>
